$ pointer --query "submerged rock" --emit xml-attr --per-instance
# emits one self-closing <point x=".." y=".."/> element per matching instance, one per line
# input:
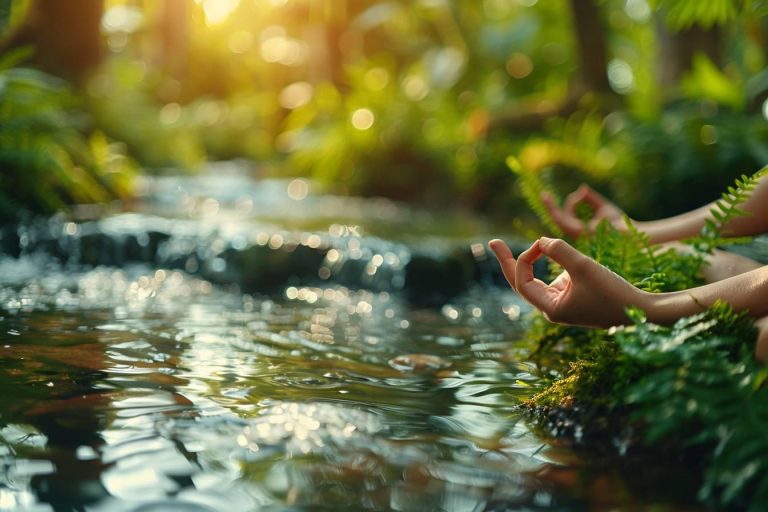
<point x="263" y="259"/>
<point x="418" y="363"/>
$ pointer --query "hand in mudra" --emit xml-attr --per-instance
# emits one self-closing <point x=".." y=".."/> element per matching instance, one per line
<point x="585" y="293"/>
<point x="567" y="218"/>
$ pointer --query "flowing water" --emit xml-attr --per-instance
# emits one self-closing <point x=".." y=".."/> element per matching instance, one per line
<point x="144" y="387"/>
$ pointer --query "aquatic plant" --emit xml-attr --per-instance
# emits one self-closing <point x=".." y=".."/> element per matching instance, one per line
<point x="694" y="385"/>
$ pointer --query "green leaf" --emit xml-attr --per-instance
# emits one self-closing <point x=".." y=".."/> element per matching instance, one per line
<point x="706" y="81"/>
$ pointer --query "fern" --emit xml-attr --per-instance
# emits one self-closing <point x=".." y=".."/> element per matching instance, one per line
<point x="726" y="209"/>
<point x="532" y="186"/>
<point x="695" y="384"/>
<point x="702" y="389"/>
<point x="631" y="254"/>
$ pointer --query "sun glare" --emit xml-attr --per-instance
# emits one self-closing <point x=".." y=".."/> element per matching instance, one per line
<point x="217" y="11"/>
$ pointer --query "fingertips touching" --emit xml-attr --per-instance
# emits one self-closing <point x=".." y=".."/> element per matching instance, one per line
<point x="532" y="253"/>
<point x="561" y="252"/>
<point x="550" y="246"/>
<point x="573" y="199"/>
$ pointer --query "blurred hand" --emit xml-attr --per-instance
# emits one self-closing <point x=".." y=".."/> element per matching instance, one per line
<point x="586" y="293"/>
<point x="569" y="221"/>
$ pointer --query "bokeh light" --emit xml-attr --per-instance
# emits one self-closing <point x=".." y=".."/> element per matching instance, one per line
<point x="217" y="11"/>
<point x="363" y="119"/>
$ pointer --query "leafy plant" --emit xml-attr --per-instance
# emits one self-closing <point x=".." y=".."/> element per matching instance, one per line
<point x="692" y="146"/>
<point x="694" y="385"/>
<point x="47" y="160"/>
<point x="702" y="388"/>
<point x="681" y="14"/>
<point x="532" y="185"/>
<point x="725" y="210"/>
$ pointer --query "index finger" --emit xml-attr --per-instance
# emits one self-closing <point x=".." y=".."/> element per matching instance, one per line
<point x="566" y="220"/>
<point x="574" y="198"/>
<point x="531" y="289"/>
<point x="506" y="260"/>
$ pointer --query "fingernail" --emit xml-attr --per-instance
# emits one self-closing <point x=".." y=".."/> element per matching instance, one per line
<point x="544" y="241"/>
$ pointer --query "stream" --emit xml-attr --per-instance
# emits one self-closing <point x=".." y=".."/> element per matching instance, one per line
<point x="230" y="344"/>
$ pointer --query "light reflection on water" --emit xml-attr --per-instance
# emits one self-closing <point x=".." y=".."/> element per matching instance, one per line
<point x="148" y="389"/>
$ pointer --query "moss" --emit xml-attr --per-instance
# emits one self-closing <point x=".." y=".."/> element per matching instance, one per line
<point x="693" y="387"/>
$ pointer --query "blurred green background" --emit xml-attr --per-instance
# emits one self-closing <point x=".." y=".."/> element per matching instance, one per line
<point x="658" y="103"/>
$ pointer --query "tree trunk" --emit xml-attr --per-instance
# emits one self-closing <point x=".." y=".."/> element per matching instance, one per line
<point x="590" y="37"/>
<point x="592" y="76"/>
<point x="66" y="36"/>
<point x="174" y="28"/>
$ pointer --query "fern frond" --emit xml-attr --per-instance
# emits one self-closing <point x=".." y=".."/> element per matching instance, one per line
<point x="532" y="185"/>
<point x="702" y="388"/>
<point x="725" y="210"/>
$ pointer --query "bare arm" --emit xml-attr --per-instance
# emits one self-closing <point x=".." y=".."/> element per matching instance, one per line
<point x="588" y="294"/>
<point x="744" y="292"/>
<point x="678" y="227"/>
<point x="690" y="223"/>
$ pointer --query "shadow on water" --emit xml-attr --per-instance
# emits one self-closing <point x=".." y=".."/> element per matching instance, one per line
<point x="141" y="369"/>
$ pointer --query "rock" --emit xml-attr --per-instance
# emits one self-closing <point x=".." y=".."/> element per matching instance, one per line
<point x="418" y="363"/>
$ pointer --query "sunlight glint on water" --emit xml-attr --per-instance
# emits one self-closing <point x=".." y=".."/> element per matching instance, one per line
<point x="166" y="389"/>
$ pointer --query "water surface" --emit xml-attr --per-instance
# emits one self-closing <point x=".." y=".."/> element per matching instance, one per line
<point x="144" y="388"/>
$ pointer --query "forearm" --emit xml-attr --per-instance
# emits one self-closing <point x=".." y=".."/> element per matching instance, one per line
<point x="679" y="227"/>
<point x="744" y="292"/>
<point x="689" y="224"/>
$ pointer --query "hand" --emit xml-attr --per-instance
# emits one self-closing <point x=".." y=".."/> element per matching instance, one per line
<point x="586" y="293"/>
<point x="570" y="223"/>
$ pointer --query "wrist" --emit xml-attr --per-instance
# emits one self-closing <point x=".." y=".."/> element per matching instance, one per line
<point x="649" y="304"/>
<point x="639" y="225"/>
<point x="667" y="308"/>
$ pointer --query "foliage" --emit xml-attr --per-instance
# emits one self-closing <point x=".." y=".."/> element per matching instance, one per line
<point x="47" y="160"/>
<point x="532" y="185"/>
<point x="156" y="137"/>
<point x="725" y="210"/>
<point x="282" y="83"/>
<point x="702" y="388"/>
<point x="5" y="14"/>
<point x="694" y="384"/>
<point x="693" y="147"/>
<point x="681" y="14"/>
<point x="706" y="82"/>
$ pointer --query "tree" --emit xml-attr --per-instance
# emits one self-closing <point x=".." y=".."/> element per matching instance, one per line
<point x="66" y="39"/>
